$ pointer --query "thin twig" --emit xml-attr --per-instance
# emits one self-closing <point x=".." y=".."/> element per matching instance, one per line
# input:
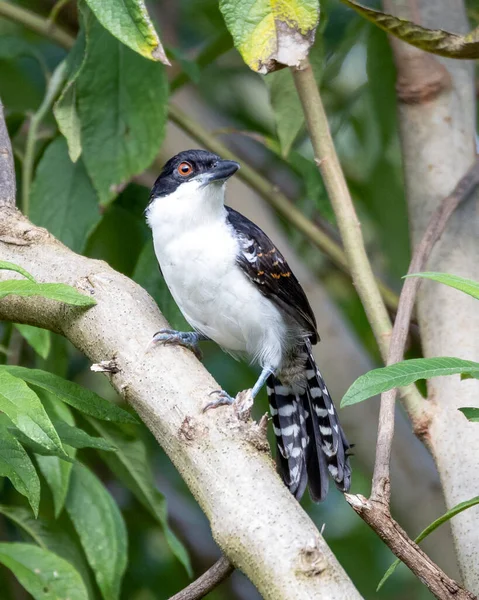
<point x="36" y="23"/>
<point x="53" y="88"/>
<point x="434" y="230"/>
<point x="207" y="582"/>
<point x="340" y="198"/>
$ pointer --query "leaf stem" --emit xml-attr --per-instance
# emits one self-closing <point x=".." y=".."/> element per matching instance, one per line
<point x="36" y="23"/>
<point x="53" y="88"/>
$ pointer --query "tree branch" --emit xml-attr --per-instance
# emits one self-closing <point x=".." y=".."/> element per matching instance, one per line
<point x="437" y="121"/>
<point x="255" y="520"/>
<point x="207" y="582"/>
<point x="7" y="169"/>
<point x="375" y="513"/>
<point x="437" y="224"/>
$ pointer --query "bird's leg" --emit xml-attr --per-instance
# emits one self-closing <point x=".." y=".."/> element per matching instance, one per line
<point x="245" y="397"/>
<point x="187" y="339"/>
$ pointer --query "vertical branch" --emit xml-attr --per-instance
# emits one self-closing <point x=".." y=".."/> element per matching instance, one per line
<point x="8" y="189"/>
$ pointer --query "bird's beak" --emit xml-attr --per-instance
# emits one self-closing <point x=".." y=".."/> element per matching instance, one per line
<point x="222" y="171"/>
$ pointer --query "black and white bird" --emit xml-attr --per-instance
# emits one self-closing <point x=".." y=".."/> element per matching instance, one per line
<point x="234" y="287"/>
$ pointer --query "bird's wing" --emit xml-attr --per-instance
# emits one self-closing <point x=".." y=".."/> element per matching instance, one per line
<point x="267" y="269"/>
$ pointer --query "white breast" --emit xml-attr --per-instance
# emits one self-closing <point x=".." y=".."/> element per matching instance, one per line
<point x="198" y="263"/>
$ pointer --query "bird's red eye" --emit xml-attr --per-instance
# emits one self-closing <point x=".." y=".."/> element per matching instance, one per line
<point x="185" y="169"/>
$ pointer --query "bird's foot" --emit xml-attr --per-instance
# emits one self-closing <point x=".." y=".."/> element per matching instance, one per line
<point x="187" y="339"/>
<point x="242" y="403"/>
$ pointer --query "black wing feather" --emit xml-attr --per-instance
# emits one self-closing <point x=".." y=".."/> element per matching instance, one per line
<point x="266" y="267"/>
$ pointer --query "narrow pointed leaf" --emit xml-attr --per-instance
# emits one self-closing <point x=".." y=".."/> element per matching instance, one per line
<point x="73" y="394"/>
<point x="54" y="291"/>
<point x="43" y="574"/>
<point x="130" y="464"/>
<point x="471" y="414"/>
<point x="38" y="338"/>
<point x="128" y="21"/>
<point x="432" y="527"/>
<point x="13" y="267"/>
<point x="468" y="286"/>
<point x="271" y="35"/>
<point x="24" y="409"/>
<point x="50" y="535"/>
<point x="436" y="41"/>
<point x="404" y="373"/>
<point x="17" y="466"/>
<point x="101" y="529"/>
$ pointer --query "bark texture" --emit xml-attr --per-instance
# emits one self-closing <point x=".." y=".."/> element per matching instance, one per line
<point x="254" y="519"/>
<point x="437" y="127"/>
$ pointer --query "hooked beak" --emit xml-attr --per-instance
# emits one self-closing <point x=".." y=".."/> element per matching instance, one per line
<point x="222" y="171"/>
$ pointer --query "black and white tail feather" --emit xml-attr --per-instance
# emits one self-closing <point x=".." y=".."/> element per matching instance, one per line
<point x="310" y="443"/>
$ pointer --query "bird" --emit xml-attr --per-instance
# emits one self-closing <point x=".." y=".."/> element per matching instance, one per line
<point x="234" y="287"/>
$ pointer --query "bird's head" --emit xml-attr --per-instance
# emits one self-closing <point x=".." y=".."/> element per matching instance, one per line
<point x="190" y="186"/>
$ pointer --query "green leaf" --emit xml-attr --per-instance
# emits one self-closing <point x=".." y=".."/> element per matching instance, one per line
<point x="432" y="527"/>
<point x="38" y="338"/>
<point x="128" y="20"/>
<point x="43" y="574"/>
<point x="65" y="108"/>
<point x="101" y="529"/>
<point x="436" y="41"/>
<point x="468" y="286"/>
<point x="285" y="102"/>
<point x="24" y="409"/>
<point x="12" y="267"/>
<point x="131" y="465"/>
<point x="471" y="414"/>
<point x="404" y="373"/>
<point x="271" y="35"/>
<point x="63" y="198"/>
<point x="17" y="466"/>
<point x="53" y="291"/>
<point x="122" y="105"/>
<point x="73" y="394"/>
<point x="77" y="438"/>
<point x="50" y="535"/>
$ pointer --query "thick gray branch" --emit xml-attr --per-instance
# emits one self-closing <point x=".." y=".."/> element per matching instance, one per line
<point x="7" y="170"/>
<point x="224" y="461"/>
<point x="437" y="119"/>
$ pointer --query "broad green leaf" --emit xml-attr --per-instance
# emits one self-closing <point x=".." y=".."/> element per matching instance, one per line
<point x="271" y="34"/>
<point x="436" y="41"/>
<point x="131" y="465"/>
<point x="65" y="108"/>
<point x="43" y="574"/>
<point x="77" y="438"/>
<point x="71" y="393"/>
<point x="63" y="198"/>
<point x="432" y="527"/>
<point x="38" y="338"/>
<point x="285" y="102"/>
<point x="471" y="413"/>
<point x="101" y="529"/>
<point x="404" y="373"/>
<point x="53" y="291"/>
<point x="57" y="472"/>
<point x="17" y="466"/>
<point x="128" y="20"/>
<point x="23" y="407"/>
<point x="13" y="267"/>
<point x="50" y="535"/>
<point x="122" y="105"/>
<point x="468" y="286"/>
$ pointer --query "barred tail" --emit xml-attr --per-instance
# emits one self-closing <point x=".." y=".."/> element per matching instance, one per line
<point x="310" y="441"/>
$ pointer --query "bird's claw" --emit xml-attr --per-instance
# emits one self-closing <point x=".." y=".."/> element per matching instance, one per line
<point x="242" y="403"/>
<point x="187" y="339"/>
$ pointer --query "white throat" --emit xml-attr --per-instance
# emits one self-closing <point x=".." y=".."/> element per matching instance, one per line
<point x="190" y="206"/>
